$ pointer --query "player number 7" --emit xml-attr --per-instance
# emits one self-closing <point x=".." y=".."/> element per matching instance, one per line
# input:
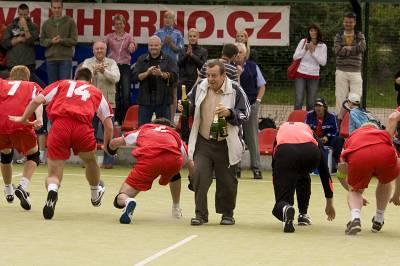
<point x="14" y="87"/>
<point x="81" y="91"/>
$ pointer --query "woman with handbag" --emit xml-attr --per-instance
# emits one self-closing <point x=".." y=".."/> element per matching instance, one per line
<point x="311" y="53"/>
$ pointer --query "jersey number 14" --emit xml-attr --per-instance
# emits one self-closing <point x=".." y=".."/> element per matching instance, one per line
<point x="80" y="91"/>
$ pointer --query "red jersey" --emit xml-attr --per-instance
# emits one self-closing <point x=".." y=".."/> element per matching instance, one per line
<point x="365" y="136"/>
<point x="15" y="95"/>
<point x="295" y="133"/>
<point x="75" y="99"/>
<point x="152" y="140"/>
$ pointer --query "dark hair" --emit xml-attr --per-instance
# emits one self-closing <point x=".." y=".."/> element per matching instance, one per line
<point x="163" y="121"/>
<point x="56" y="1"/>
<point x="216" y="62"/>
<point x="83" y="74"/>
<point x="319" y="34"/>
<point x="350" y="15"/>
<point x="230" y="50"/>
<point x="23" y="7"/>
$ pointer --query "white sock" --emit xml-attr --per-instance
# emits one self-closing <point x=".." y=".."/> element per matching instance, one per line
<point x="41" y="156"/>
<point x="53" y="187"/>
<point x="94" y="190"/>
<point x="24" y="182"/>
<point x="175" y="205"/>
<point x="379" y="216"/>
<point x="355" y="213"/>
<point x="9" y="189"/>
<point x="129" y="199"/>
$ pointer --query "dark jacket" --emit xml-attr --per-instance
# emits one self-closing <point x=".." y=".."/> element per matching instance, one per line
<point x="329" y="125"/>
<point x="397" y="88"/>
<point x="22" y="53"/>
<point x="189" y="64"/>
<point x="163" y="90"/>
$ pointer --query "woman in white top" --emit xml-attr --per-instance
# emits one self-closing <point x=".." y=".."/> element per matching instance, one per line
<point x="313" y="53"/>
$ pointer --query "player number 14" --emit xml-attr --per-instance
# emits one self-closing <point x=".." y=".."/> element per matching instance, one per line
<point x="81" y="90"/>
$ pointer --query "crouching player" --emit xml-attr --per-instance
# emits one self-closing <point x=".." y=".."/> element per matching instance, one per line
<point x="159" y="151"/>
<point x="296" y="154"/>
<point x="369" y="151"/>
<point x="15" y="95"/>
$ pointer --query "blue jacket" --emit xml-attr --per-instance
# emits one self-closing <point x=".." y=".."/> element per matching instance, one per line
<point x="357" y="117"/>
<point x="329" y="125"/>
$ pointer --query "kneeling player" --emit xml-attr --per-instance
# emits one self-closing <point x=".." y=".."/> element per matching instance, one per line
<point x="159" y="151"/>
<point x="15" y="95"/>
<point x="369" y="152"/>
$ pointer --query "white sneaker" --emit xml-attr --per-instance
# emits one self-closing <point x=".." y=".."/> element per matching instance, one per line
<point x="101" y="190"/>
<point x="177" y="212"/>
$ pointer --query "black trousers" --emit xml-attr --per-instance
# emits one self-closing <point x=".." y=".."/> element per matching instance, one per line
<point x="291" y="167"/>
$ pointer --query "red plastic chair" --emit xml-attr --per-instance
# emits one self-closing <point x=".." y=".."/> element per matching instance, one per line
<point x="266" y="138"/>
<point x="344" y="126"/>
<point x="297" y="116"/>
<point x="131" y="121"/>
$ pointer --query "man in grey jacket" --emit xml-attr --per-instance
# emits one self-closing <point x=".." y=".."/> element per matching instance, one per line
<point x="216" y="94"/>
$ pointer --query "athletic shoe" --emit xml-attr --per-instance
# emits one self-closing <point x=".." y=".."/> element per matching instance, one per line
<point x="23" y="197"/>
<point x="10" y="198"/>
<point x="48" y="209"/>
<point x="257" y="174"/>
<point x="177" y="212"/>
<point x="376" y="226"/>
<point x="353" y="227"/>
<point x="127" y="212"/>
<point x="101" y="190"/>
<point x="303" y="220"/>
<point x="21" y="161"/>
<point x="288" y="217"/>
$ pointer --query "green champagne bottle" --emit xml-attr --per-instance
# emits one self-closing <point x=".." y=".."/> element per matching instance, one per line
<point x="185" y="103"/>
<point x="223" y="127"/>
<point x="214" y="129"/>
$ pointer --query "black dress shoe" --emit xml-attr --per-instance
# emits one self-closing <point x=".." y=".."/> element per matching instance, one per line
<point x="225" y="220"/>
<point x="257" y="174"/>
<point x="198" y="221"/>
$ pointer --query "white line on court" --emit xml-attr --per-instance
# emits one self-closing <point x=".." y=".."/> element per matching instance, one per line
<point x="240" y="180"/>
<point x="165" y="250"/>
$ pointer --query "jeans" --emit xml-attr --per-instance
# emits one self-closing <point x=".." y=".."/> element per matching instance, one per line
<point x="59" y="70"/>
<point x="146" y="112"/>
<point x="123" y="95"/>
<point x="309" y="85"/>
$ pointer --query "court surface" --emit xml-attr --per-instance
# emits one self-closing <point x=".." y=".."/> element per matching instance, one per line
<point x="80" y="234"/>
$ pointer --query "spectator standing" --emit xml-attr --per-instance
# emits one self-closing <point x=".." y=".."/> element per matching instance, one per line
<point x="156" y="74"/>
<point x="59" y="36"/>
<point x="397" y="87"/>
<point x="3" y="52"/>
<point x="172" y="42"/>
<point x="313" y="53"/>
<point x="105" y="76"/>
<point x="216" y="95"/>
<point x="349" y="48"/>
<point x="191" y="59"/>
<point x="253" y="84"/>
<point x="120" y="47"/>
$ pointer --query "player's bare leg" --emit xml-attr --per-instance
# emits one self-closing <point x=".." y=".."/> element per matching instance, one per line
<point x="6" y="171"/>
<point x="29" y="168"/>
<point x="53" y="181"/>
<point x="125" y="200"/>
<point x="355" y="202"/>
<point x="383" y="193"/>
<point x="175" y="188"/>
<point x="93" y="176"/>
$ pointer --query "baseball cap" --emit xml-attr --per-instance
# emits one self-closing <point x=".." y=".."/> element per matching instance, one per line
<point x="354" y="98"/>
<point x="320" y="101"/>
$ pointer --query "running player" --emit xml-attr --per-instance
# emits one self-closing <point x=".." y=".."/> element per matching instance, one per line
<point x="159" y="151"/>
<point x="15" y="95"/>
<point x="71" y="105"/>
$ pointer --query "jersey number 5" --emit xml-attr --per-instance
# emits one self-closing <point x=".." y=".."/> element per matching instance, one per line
<point x="81" y="91"/>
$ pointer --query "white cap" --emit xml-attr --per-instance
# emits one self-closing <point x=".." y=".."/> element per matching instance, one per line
<point x="354" y="98"/>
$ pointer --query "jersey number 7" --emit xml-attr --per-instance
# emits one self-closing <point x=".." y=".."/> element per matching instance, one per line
<point x="80" y="91"/>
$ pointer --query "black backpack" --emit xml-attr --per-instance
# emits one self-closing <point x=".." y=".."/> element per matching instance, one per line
<point x="266" y="123"/>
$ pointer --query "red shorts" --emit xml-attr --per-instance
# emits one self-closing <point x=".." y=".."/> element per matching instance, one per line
<point x="22" y="142"/>
<point x="65" y="134"/>
<point x="146" y="170"/>
<point x="378" y="160"/>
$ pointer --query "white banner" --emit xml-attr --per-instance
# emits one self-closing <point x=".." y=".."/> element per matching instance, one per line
<point x="266" y="25"/>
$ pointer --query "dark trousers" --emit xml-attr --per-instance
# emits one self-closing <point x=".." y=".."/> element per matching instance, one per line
<point x="291" y="167"/>
<point x="337" y="145"/>
<point x="146" y="112"/>
<point x="210" y="156"/>
<point x="123" y="95"/>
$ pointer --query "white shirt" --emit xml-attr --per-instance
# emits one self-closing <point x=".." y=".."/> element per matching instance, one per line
<point x="310" y="62"/>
